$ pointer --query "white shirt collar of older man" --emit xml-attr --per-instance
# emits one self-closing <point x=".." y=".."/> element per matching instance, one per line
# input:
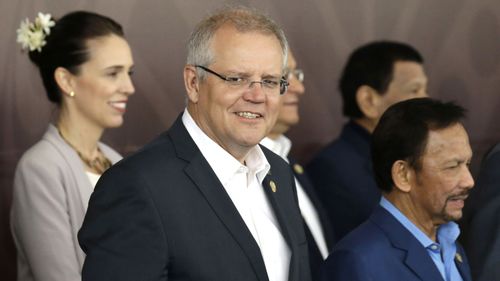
<point x="282" y="146"/>
<point x="243" y="184"/>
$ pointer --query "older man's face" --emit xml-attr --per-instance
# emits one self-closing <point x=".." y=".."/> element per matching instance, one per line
<point x="238" y="118"/>
<point x="408" y="81"/>
<point x="441" y="186"/>
<point x="289" y="102"/>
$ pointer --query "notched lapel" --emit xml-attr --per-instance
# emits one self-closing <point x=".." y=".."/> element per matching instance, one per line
<point x="205" y="179"/>
<point x="275" y="195"/>
<point x="279" y="200"/>
<point x="462" y="265"/>
<point x="419" y="261"/>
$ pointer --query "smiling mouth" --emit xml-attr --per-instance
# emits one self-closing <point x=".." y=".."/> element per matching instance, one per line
<point x="461" y="196"/>
<point x="248" y="115"/>
<point x="458" y="199"/>
<point x="119" y="105"/>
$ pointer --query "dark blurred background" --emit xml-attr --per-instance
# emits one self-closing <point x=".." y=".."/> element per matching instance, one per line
<point x="459" y="39"/>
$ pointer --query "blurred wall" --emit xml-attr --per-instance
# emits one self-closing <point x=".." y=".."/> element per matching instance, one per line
<point x="458" y="38"/>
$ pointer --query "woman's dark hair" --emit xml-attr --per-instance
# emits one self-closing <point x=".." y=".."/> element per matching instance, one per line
<point x="67" y="46"/>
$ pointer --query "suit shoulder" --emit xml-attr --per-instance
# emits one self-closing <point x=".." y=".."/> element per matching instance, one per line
<point x="355" y="257"/>
<point x="367" y="238"/>
<point x="338" y="151"/>
<point x="159" y="148"/>
<point x="42" y="154"/>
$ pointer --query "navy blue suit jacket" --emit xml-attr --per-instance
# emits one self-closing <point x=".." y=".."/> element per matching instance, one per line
<point x="315" y="257"/>
<point x="382" y="249"/>
<point x="162" y="214"/>
<point x="342" y="174"/>
<point x="482" y="220"/>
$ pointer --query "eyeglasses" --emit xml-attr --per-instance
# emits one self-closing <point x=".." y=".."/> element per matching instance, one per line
<point x="297" y="73"/>
<point x="269" y="85"/>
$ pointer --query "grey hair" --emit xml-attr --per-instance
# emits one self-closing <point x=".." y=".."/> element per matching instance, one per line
<point x="244" y="19"/>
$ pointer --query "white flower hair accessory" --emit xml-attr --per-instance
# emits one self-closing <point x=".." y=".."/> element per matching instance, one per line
<point x="31" y="35"/>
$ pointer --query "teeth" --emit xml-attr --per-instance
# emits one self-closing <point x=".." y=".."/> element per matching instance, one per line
<point x="121" y="105"/>
<point x="248" y="115"/>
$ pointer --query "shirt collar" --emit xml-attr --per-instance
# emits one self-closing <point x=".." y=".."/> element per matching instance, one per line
<point x="222" y="163"/>
<point x="362" y="131"/>
<point x="280" y="146"/>
<point x="446" y="233"/>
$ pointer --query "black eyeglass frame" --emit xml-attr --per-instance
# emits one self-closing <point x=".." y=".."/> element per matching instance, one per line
<point x="283" y="82"/>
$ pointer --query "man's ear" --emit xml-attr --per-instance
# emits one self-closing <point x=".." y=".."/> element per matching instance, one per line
<point x="64" y="79"/>
<point x="191" y="82"/>
<point x="368" y="100"/>
<point x="402" y="175"/>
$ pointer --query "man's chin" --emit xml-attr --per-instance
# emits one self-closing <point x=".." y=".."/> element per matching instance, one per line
<point x="453" y="216"/>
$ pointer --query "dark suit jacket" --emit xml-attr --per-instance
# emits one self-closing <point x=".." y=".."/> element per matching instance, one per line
<point x="342" y="174"/>
<point x="162" y="214"/>
<point x="484" y="242"/>
<point x="482" y="218"/>
<point x="315" y="258"/>
<point x="383" y="249"/>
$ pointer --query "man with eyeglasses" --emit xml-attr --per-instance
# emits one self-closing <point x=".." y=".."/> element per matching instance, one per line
<point x="317" y="225"/>
<point x="204" y="201"/>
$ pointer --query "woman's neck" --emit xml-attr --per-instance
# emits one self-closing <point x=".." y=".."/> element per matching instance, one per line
<point x="80" y="134"/>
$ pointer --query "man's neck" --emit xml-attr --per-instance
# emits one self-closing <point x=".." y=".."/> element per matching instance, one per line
<point x="419" y="218"/>
<point x="366" y="123"/>
<point x="273" y="135"/>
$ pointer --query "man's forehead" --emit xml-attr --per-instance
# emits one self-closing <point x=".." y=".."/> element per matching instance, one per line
<point x="247" y="51"/>
<point x="408" y="70"/>
<point x="447" y="140"/>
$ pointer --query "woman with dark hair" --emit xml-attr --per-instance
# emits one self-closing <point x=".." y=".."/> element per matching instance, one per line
<point x="85" y="64"/>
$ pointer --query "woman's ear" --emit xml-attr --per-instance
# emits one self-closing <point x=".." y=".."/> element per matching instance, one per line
<point x="64" y="80"/>
<point x="191" y="82"/>
<point x="402" y="175"/>
<point x="368" y="99"/>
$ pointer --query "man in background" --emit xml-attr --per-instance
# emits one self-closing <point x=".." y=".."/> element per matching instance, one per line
<point x="482" y="220"/>
<point x="376" y="76"/>
<point x="319" y="233"/>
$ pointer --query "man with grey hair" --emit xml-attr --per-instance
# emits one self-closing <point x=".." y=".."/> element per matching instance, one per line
<point x="204" y="201"/>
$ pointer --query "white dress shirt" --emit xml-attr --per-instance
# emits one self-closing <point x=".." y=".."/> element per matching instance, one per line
<point x="282" y="146"/>
<point x="93" y="178"/>
<point x="243" y="184"/>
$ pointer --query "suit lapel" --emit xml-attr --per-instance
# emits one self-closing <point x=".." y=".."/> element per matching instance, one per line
<point x="308" y="188"/>
<point x="278" y="193"/>
<point x="417" y="259"/>
<point x="462" y="264"/>
<point x="273" y="193"/>
<point x="207" y="182"/>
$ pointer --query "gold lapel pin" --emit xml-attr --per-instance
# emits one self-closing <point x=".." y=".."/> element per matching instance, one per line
<point x="298" y="169"/>
<point x="458" y="257"/>
<point x="273" y="186"/>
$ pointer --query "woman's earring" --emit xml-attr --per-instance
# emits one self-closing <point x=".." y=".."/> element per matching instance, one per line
<point x="71" y="94"/>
